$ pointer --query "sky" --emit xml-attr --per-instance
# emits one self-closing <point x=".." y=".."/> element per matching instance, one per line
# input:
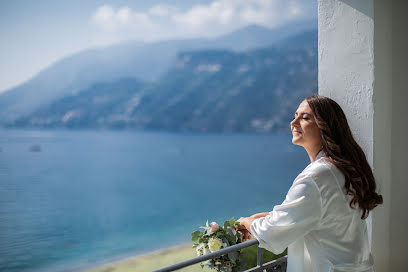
<point x="36" y="33"/>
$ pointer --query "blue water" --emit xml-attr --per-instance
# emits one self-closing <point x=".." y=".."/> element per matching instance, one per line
<point x="85" y="198"/>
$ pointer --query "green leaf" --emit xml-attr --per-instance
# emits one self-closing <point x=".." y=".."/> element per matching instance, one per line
<point x="231" y="240"/>
<point x="195" y="235"/>
<point x="233" y="256"/>
<point x="225" y="240"/>
<point x="226" y="225"/>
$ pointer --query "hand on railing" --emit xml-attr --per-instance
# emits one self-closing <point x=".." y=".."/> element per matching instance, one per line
<point x="245" y="225"/>
<point x="245" y="234"/>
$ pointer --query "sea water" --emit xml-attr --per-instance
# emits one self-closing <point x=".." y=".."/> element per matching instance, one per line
<point x="74" y="199"/>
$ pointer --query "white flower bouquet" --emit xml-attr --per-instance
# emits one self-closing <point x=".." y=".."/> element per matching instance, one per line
<point x="213" y="238"/>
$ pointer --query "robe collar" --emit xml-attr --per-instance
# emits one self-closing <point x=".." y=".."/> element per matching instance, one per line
<point x="321" y="154"/>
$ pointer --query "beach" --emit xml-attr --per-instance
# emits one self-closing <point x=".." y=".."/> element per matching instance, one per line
<point x="153" y="260"/>
<point x="160" y="258"/>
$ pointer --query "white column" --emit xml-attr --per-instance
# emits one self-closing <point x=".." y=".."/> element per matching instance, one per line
<point x="355" y="70"/>
<point x="399" y="137"/>
<point x="346" y="63"/>
<point x="382" y="121"/>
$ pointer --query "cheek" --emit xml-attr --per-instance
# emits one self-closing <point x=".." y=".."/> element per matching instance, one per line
<point x="312" y="130"/>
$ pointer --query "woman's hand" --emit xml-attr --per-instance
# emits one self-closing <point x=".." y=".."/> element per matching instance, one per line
<point x="245" y="227"/>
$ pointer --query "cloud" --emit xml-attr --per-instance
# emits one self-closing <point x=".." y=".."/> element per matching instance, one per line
<point x="163" y="21"/>
<point x="163" y="10"/>
<point x="110" y="20"/>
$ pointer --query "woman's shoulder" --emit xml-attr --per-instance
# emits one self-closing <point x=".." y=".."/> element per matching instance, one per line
<point x="324" y="173"/>
<point x="320" y="167"/>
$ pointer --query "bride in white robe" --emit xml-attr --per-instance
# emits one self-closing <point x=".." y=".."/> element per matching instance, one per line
<point x="316" y="222"/>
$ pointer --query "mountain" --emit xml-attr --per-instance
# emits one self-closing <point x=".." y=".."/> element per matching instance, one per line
<point x="87" y="109"/>
<point x="144" y="61"/>
<point x="203" y="90"/>
<point x="254" y="36"/>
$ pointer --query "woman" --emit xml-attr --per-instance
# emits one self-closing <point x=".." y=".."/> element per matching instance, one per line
<point x="323" y="220"/>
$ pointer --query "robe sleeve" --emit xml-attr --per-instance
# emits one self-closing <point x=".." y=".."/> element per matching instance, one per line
<point x="295" y="217"/>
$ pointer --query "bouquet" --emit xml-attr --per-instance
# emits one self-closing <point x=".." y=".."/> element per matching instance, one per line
<point x="213" y="238"/>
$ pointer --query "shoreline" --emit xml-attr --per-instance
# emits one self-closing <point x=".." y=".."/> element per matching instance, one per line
<point x="149" y="261"/>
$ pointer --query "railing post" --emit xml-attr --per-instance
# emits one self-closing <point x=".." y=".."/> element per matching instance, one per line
<point x="259" y="256"/>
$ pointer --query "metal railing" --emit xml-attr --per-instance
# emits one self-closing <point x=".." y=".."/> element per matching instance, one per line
<point x="275" y="265"/>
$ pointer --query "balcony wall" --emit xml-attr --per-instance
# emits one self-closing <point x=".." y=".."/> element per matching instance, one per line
<point x="362" y="65"/>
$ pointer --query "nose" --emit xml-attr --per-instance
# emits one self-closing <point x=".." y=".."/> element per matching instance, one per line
<point x="295" y="122"/>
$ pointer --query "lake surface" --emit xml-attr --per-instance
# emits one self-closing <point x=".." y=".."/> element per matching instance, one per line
<point x="70" y="200"/>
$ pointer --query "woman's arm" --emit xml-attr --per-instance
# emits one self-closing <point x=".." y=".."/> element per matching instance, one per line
<point x="245" y="222"/>
<point x="258" y="215"/>
<point x="296" y="216"/>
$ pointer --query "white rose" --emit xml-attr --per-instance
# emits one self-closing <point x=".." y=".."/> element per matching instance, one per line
<point x="214" y="244"/>
<point x="205" y="250"/>
<point x="199" y="249"/>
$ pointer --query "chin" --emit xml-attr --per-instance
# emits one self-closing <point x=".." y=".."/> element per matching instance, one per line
<point x="296" y="141"/>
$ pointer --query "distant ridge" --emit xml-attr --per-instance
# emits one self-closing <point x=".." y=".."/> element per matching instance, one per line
<point x="144" y="62"/>
<point x="255" y="36"/>
<point x="211" y="90"/>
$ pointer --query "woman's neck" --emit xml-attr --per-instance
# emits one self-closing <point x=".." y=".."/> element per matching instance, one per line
<point x="313" y="151"/>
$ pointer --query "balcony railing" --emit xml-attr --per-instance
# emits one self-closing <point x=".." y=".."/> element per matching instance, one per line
<point x="275" y="265"/>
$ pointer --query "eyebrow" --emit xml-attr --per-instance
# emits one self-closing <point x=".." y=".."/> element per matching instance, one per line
<point x="304" y="113"/>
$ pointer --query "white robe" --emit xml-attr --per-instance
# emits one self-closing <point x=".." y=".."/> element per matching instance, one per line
<point x="316" y="223"/>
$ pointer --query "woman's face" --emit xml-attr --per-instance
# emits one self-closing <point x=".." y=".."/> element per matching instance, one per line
<point x="305" y="131"/>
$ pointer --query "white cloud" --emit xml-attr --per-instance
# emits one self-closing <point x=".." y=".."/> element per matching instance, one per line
<point x="111" y="20"/>
<point x="163" y="10"/>
<point x="124" y="15"/>
<point x="104" y="17"/>
<point x="165" y="21"/>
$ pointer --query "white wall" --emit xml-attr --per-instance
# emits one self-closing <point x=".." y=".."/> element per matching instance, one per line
<point x="346" y="68"/>
<point x="362" y="65"/>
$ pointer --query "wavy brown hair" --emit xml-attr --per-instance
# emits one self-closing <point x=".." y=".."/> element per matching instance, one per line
<point x="344" y="152"/>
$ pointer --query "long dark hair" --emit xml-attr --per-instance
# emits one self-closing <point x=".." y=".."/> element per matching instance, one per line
<point x="344" y="152"/>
